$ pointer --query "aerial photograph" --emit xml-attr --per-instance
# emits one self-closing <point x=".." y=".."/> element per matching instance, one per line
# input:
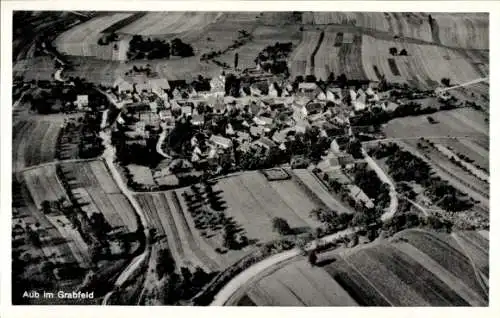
<point x="243" y="158"/>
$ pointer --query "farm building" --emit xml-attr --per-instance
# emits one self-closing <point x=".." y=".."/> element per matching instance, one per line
<point x="358" y="195"/>
<point x="217" y="85"/>
<point x="220" y="141"/>
<point x="264" y="144"/>
<point x="82" y="101"/>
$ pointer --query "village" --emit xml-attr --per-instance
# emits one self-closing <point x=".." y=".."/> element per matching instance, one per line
<point x="252" y="120"/>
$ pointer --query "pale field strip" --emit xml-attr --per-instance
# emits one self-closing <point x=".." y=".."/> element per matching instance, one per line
<point x="301" y="56"/>
<point x="184" y="234"/>
<point x="469" y="167"/>
<point x="319" y="189"/>
<point x="475" y="249"/>
<point x="160" y="23"/>
<point x="326" y="59"/>
<point x="205" y="251"/>
<point x="159" y="217"/>
<point x="313" y="285"/>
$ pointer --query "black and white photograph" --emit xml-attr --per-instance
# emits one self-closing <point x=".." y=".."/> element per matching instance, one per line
<point x="249" y="158"/>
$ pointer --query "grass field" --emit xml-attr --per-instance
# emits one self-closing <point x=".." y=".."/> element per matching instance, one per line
<point x="415" y="268"/>
<point x="34" y="142"/>
<point x="96" y="191"/>
<point x="253" y="202"/>
<point x="455" y="123"/>
<point x="167" y="23"/>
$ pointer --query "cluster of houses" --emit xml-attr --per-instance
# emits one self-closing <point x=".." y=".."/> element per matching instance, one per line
<point x="275" y="110"/>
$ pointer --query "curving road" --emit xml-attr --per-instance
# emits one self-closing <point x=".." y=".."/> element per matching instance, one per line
<point x="243" y="278"/>
<point x="393" y="206"/>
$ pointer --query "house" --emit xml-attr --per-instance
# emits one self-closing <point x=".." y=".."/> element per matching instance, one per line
<point x="275" y="90"/>
<point x="299" y="113"/>
<point x="263" y="143"/>
<point x="257" y="131"/>
<point x="219" y="106"/>
<point x="358" y="195"/>
<point x="346" y="161"/>
<point x="187" y="110"/>
<point x="158" y="84"/>
<point x="260" y="88"/>
<point x="263" y="121"/>
<point x="334" y="147"/>
<point x="123" y="85"/>
<point x="217" y="85"/>
<point x="243" y="136"/>
<point x="308" y="89"/>
<point x="176" y="94"/>
<point x="220" y="141"/>
<point x="82" y="101"/>
<point x="229" y="129"/>
<point x="197" y="120"/>
<point x="313" y="108"/>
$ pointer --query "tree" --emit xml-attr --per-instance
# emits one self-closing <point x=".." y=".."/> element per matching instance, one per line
<point x="46" y="207"/>
<point x="393" y="51"/>
<point x="445" y="81"/>
<point x="312" y="258"/>
<point x="236" y="57"/>
<point x="331" y="78"/>
<point x="403" y="52"/>
<point x="165" y="264"/>
<point x="281" y="226"/>
<point x="342" y="80"/>
<point x="310" y="78"/>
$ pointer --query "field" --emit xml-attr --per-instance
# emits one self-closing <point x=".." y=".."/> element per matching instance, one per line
<point x="311" y="183"/>
<point x="44" y="185"/>
<point x="253" y="202"/>
<point x="169" y="23"/>
<point x="34" y="142"/>
<point x="415" y="268"/>
<point x="463" y="30"/>
<point x="37" y="68"/>
<point x="339" y="52"/>
<point x="95" y="190"/>
<point x="165" y="215"/>
<point x="298" y="284"/>
<point x="249" y="199"/>
<point x="424" y="66"/>
<point x="469" y="31"/>
<point x="301" y="56"/>
<point x="81" y="40"/>
<point x="456" y="123"/>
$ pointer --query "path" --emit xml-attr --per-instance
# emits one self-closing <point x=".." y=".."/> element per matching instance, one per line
<point x="108" y="156"/>
<point x="393" y="206"/>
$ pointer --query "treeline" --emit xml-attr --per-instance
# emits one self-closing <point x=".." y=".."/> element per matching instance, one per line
<point x="140" y="48"/>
